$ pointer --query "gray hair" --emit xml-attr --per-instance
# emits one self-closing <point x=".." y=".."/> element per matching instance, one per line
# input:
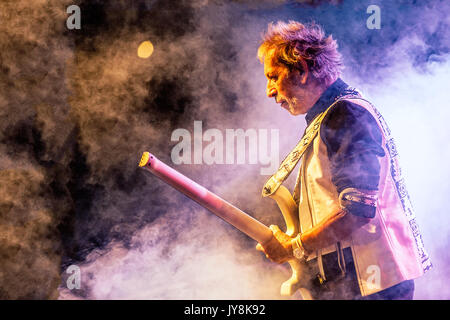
<point x="295" y="44"/>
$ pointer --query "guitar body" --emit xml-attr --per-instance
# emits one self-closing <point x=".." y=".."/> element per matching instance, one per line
<point x="299" y="277"/>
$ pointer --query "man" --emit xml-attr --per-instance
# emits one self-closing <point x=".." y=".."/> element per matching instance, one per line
<point x="357" y="226"/>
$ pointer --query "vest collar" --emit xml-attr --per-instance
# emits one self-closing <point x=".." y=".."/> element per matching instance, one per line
<point x="334" y="91"/>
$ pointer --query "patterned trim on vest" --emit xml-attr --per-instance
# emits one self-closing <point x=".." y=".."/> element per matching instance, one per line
<point x="396" y="174"/>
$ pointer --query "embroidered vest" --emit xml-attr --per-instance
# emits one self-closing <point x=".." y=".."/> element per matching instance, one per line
<point x="387" y="250"/>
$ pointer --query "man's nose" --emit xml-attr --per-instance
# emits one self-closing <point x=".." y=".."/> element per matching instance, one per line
<point x="271" y="92"/>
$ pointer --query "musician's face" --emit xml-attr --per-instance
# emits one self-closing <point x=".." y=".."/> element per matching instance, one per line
<point x="287" y="87"/>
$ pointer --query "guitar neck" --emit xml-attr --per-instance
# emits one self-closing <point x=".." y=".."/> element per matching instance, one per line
<point x="221" y="208"/>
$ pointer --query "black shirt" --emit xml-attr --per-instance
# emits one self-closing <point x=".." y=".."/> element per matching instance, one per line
<point x="353" y="139"/>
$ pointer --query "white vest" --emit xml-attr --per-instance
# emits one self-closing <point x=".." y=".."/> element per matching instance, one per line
<point x="387" y="250"/>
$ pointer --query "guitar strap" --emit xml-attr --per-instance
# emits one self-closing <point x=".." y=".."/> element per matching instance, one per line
<point x="289" y="163"/>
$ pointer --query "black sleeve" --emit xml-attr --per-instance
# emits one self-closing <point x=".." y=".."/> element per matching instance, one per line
<point x="353" y="140"/>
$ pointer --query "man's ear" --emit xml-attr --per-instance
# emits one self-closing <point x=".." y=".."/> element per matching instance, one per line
<point x="304" y="66"/>
<point x="305" y="74"/>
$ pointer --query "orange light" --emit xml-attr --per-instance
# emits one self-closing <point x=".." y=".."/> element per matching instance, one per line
<point x="145" y="50"/>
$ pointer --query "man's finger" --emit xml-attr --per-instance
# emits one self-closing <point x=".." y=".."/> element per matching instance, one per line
<point x="275" y="229"/>
<point x="259" y="247"/>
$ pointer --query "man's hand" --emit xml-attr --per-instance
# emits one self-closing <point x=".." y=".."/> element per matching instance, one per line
<point x="279" y="248"/>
